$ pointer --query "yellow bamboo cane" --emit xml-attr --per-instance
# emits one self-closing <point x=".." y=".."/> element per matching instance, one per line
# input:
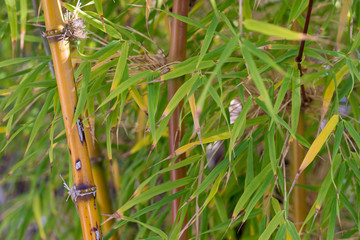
<point x="98" y="170"/>
<point x="83" y="191"/>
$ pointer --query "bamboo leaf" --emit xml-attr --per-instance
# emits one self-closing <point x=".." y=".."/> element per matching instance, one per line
<point x="319" y="142"/>
<point x="190" y="67"/>
<point x="258" y="80"/>
<point x="95" y="22"/>
<point x="215" y="173"/>
<point x="258" y="53"/>
<point x="272" y="148"/>
<point x="40" y="118"/>
<point x="37" y="212"/>
<point x="177" y="165"/>
<point x="230" y="46"/>
<point x="181" y="93"/>
<point x="120" y="68"/>
<point x="208" y="38"/>
<point x="273" y="30"/>
<point x="330" y="89"/>
<point x="23" y="16"/>
<point x="273" y="224"/>
<point x="356" y="43"/>
<point x="295" y="102"/>
<point x="353" y="133"/>
<point x="151" y="228"/>
<point x="11" y="10"/>
<point x="124" y="86"/>
<point x="297" y="7"/>
<point x="103" y="53"/>
<point x="249" y="191"/>
<point x="283" y="89"/>
<point x="257" y="196"/>
<point x="99" y="9"/>
<point x="292" y="230"/>
<point x="240" y="123"/>
<point x="332" y="221"/>
<point x="83" y="92"/>
<point x="165" y="187"/>
<point x="217" y="137"/>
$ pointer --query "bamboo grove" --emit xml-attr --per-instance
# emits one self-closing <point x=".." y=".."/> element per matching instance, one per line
<point x="174" y="119"/>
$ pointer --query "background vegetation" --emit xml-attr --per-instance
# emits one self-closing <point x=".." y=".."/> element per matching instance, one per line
<point x="244" y="53"/>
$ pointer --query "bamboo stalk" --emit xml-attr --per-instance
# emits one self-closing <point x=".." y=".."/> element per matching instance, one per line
<point x="83" y="191"/>
<point x="177" y="52"/>
<point x="98" y="171"/>
<point x="300" y="206"/>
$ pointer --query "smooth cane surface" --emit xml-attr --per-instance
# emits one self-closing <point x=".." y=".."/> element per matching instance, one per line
<point x="83" y="179"/>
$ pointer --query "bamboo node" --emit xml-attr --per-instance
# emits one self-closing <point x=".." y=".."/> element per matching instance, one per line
<point x="75" y="193"/>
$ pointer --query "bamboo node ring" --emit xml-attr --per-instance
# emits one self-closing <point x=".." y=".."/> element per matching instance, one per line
<point x="75" y="193"/>
<point x="55" y="33"/>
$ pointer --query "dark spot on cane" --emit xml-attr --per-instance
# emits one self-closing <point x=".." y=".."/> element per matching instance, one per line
<point x="65" y="118"/>
<point x="94" y="229"/>
<point x="80" y="127"/>
<point x="78" y="164"/>
<point x="70" y="151"/>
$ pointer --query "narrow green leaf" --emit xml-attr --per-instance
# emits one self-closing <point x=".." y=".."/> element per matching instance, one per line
<point x="165" y="187"/>
<point x="181" y="70"/>
<point x="40" y="118"/>
<point x="208" y="38"/>
<point x="210" y="178"/>
<point x="120" y="68"/>
<point x="295" y="102"/>
<point x="83" y="92"/>
<point x="181" y="93"/>
<point x="104" y="52"/>
<point x="283" y="89"/>
<point x="125" y="85"/>
<point x="292" y="230"/>
<point x="240" y="123"/>
<point x="272" y="148"/>
<point x="251" y="188"/>
<point x="297" y="7"/>
<point x="356" y="43"/>
<point x="258" y="80"/>
<point x="11" y="10"/>
<point x="261" y="55"/>
<point x="353" y="133"/>
<point x="272" y="30"/>
<point x="332" y="221"/>
<point x="151" y="228"/>
<point x="250" y="163"/>
<point x="273" y="224"/>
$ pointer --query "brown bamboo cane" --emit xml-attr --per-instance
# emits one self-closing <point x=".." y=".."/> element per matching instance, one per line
<point x="82" y="175"/>
<point x="177" y="52"/>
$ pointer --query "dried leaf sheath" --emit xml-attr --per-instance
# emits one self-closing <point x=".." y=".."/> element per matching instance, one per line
<point x="83" y="179"/>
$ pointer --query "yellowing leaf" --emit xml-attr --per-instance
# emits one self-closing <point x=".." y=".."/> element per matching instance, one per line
<point x="329" y="92"/>
<point x="319" y="142"/>
<point x="218" y="137"/>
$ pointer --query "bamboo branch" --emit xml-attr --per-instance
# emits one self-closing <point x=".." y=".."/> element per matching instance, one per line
<point x="83" y="191"/>
<point x="177" y="52"/>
